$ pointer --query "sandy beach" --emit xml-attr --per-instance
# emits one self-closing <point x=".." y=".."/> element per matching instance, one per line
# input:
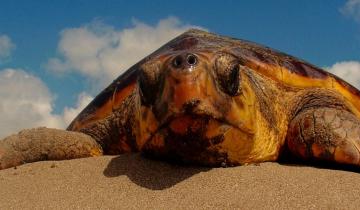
<point x="134" y="182"/>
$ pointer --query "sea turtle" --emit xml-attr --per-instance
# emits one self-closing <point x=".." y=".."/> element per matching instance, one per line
<point x="210" y="100"/>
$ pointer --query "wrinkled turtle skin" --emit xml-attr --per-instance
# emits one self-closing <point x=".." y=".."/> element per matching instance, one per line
<point x="217" y="101"/>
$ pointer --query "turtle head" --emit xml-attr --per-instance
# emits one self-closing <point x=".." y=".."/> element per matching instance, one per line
<point x="196" y="106"/>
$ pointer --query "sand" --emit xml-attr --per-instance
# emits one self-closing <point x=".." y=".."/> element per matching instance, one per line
<point x="134" y="182"/>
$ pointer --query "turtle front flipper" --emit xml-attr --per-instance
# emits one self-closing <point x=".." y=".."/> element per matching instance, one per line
<point x="325" y="134"/>
<point x="45" y="144"/>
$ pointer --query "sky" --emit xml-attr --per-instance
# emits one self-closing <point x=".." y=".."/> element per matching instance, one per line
<point x="55" y="56"/>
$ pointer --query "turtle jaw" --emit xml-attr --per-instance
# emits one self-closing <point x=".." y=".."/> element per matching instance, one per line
<point x="196" y="139"/>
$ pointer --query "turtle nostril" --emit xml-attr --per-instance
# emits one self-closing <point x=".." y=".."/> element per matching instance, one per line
<point x="191" y="59"/>
<point x="182" y="61"/>
<point x="177" y="61"/>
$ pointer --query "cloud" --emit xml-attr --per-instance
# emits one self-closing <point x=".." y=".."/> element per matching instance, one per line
<point x="6" y="47"/>
<point x="351" y="9"/>
<point x="347" y="70"/>
<point x="101" y="53"/>
<point x="26" y="102"/>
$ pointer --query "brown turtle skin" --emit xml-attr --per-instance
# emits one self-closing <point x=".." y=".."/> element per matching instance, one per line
<point x="217" y="101"/>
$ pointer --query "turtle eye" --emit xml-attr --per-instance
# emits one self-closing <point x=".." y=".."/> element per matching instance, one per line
<point x="228" y="74"/>
<point x="231" y="83"/>
<point x="149" y="76"/>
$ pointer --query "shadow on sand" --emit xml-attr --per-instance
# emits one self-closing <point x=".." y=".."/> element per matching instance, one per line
<point x="159" y="175"/>
<point x="148" y="173"/>
<point x="290" y="160"/>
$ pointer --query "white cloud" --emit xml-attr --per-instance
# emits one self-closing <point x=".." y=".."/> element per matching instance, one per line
<point x="347" y="70"/>
<point x="6" y="47"/>
<point x="101" y="53"/>
<point x="351" y="9"/>
<point x="26" y="102"/>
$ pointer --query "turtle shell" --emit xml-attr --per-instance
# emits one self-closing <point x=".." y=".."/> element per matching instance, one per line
<point x="131" y="112"/>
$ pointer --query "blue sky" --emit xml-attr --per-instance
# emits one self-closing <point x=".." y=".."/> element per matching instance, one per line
<point x="44" y="33"/>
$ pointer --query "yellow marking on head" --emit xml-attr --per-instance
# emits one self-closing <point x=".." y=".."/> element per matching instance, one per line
<point x="95" y="152"/>
<point x="242" y="108"/>
<point x="237" y="144"/>
<point x="147" y="126"/>
<point x="215" y="128"/>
